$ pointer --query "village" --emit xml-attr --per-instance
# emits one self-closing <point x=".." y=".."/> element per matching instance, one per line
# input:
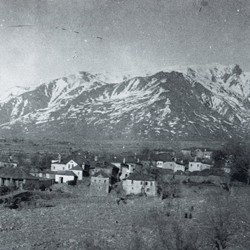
<point x="153" y="198"/>
<point x="137" y="174"/>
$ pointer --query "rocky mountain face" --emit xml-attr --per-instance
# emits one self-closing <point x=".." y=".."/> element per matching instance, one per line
<point x="192" y="103"/>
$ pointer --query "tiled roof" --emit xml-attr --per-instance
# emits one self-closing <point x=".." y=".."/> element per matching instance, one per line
<point x="141" y="177"/>
<point x="16" y="173"/>
<point x="77" y="167"/>
<point x="79" y="159"/>
<point x="163" y="157"/>
<point x="101" y="174"/>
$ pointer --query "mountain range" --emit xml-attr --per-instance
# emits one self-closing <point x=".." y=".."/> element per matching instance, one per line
<point x="184" y="103"/>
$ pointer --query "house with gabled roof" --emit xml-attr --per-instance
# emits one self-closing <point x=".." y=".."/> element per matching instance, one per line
<point x="140" y="184"/>
<point x="99" y="184"/>
<point x="67" y="163"/>
<point x="16" y="176"/>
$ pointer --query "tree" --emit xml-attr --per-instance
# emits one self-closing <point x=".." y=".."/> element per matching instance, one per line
<point x="235" y="155"/>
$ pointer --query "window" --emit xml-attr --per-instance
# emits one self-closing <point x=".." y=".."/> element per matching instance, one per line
<point x="151" y="183"/>
<point x="104" y="181"/>
<point x="191" y="165"/>
<point x="141" y="182"/>
<point x="54" y="167"/>
<point x="63" y="168"/>
<point x="132" y="182"/>
<point x="146" y="183"/>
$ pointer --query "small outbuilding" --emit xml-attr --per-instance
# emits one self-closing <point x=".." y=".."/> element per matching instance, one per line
<point x="65" y="176"/>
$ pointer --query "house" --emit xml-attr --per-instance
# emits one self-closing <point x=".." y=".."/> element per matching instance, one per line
<point x="78" y="171"/>
<point x="65" y="176"/>
<point x="203" y="153"/>
<point x="67" y="163"/>
<point x="168" y="162"/>
<point x="140" y="184"/>
<point x="107" y="168"/>
<point x="186" y="152"/>
<point x="99" y="184"/>
<point x="16" y="176"/>
<point x="198" y="166"/>
<point x="124" y="171"/>
<point x="47" y="174"/>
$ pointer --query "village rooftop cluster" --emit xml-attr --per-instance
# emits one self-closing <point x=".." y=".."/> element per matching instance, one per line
<point x="137" y="174"/>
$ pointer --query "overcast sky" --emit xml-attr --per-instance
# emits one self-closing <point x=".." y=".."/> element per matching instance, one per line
<point x="118" y="36"/>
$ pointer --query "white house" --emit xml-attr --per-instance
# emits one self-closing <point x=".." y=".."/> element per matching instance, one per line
<point x="65" y="176"/>
<point x="78" y="171"/>
<point x="197" y="166"/>
<point x="137" y="184"/>
<point x="172" y="165"/>
<point x="59" y="166"/>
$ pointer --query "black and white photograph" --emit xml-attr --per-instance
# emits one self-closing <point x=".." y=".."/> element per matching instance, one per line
<point x="125" y="124"/>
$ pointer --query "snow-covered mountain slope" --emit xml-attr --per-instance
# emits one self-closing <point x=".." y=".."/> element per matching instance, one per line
<point x="209" y="101"/>
<point x="6" y="95"/>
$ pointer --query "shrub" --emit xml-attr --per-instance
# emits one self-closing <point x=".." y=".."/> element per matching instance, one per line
<point x="71" y="183"/>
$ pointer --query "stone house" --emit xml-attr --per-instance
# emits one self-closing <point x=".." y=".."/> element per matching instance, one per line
<point x="16" y="176"/>
<point x="140" y="184"/>
<point x="99" y="184"/>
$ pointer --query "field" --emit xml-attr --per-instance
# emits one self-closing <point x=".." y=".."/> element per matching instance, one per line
<point x="114" y="147"/>
<point x="74" y="220"/>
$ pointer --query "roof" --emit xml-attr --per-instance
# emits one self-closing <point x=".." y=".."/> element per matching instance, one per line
<point x="69" y="173"/>
<point x="141" y="177"/>
<point x="101" y="174"/>
<point x="79" y="159"/>
<point x="203" y="149"/>
<point x="77" y="167"/>
<point x="16" y="173"/>
<point x="163" y="157"/>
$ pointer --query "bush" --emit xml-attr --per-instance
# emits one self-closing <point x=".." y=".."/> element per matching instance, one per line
<point x="71" y="183"/>
<point x="4" y="190"/>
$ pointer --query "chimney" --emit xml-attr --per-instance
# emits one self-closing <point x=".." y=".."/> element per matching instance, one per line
<point x="205" y="150"/>
<point x="195" y="158"/>
<point x="96" y="158"/>
<point x="124" y="160"/>
<point x="138" y="160"/>
<point x="10" y="158"/>
<point x="59" y="158"/>
<point x="175" y="159"/>
<point x="182" y="161"/>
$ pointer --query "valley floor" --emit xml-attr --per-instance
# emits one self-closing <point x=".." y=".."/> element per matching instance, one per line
<point x="83" y="222"/>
